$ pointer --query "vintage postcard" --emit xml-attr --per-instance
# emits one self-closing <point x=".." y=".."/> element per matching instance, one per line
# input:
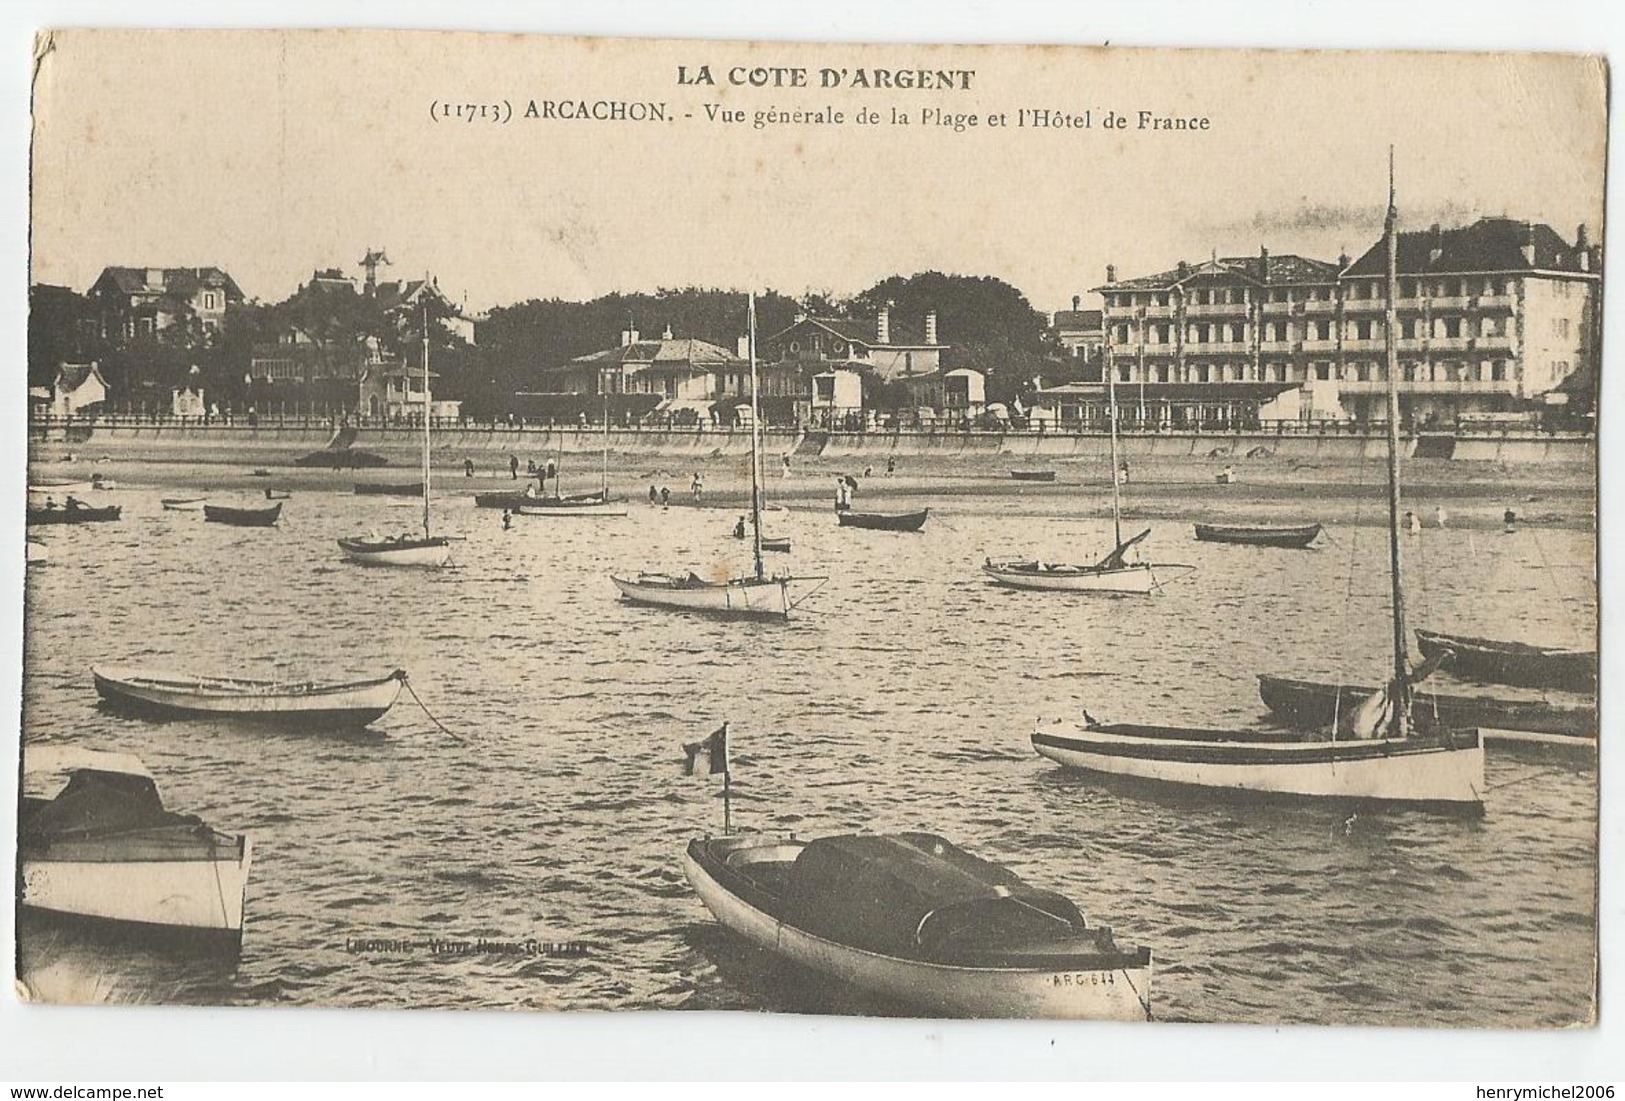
<point x="544" y="523"/>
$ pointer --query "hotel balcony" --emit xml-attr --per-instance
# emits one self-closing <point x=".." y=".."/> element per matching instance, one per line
<point x="1280" y="347"/>
<point x="1461" y="386"/>
<point x="1218" y="309"/>
<point x="1319" y="308"/>
<point x="1319" y="346"/>
<point x="1217" y="347"/>
<point x="1492" y="302"/>
<point x="1158" y="311"/>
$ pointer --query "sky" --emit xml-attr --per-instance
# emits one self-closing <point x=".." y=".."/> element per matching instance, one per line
<point x="272" y="154"/>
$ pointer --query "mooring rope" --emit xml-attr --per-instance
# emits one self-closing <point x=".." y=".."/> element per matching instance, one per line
<point x="443" y="727"/>
<point x="1527" y="776"/>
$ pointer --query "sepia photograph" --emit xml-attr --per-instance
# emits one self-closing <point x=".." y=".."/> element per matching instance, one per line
<point x="545" y="523"/>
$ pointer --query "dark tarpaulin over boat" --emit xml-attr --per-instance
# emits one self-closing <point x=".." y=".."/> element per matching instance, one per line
<point x="908" y="894"/>
<point x="1114" y="560"/>
<point x="96" y="804"/>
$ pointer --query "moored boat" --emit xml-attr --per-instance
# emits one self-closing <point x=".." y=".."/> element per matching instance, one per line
<point x="509" y="499"/>
<point x="60" y="487"/>
<point x="883" y="521"/>
<point x="1033" y="475"/>
<point x="1317" y="705"/>
<point x="389" y="489"/>
<point x="1519" y="663"/>
<point x="308" y="703"/>
<point x="1112" y="574"/>
<point x="75" y="512"/>
<point x="183" y="504"/>
<point x="580" y="504"/>
<point x="94" y="841"/>
<point x="242" y="517"/>
<point x="916" y="918"/>
<point x="1253" y="536"/>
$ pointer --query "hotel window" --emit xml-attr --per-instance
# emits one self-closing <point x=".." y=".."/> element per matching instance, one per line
<point x="1162" y="299"/>
<point x="1498" y="372"/>
<point x="1407" y="288"/>
<point x="1362" y="330"/>
<point x="211" y="300"/>
<point x="1323" y="330"/>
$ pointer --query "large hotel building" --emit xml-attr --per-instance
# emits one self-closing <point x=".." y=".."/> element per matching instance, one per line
<point x="1494" y="318"/>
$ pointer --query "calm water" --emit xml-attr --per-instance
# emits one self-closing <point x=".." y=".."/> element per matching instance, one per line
<point x="902" y="699"/>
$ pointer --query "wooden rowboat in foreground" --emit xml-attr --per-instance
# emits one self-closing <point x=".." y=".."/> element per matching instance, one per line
<point x="1251" y="536"/>
<point x="914" y="917"/>
<point x="303" y="703"/>
<point x="884" y="521"/>
<point x="1518" y="663"/>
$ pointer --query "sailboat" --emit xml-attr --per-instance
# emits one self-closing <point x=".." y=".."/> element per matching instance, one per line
<point x="1394" y="765"/>
<point x="756" y="594"/>
<point x="1113" y="574"/>
<point x="578" y="504"/>
<point x="406" y="550"/>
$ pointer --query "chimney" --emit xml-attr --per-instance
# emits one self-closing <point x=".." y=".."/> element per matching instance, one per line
<point x="667" y="334"/>
<point x="1529" y="247"/>
<point x="155" y="277"/>
<point x="1263" y="264"/>
<point x="883" y="325"/>
<point x="1184" y="269"/>
<point x="931" y="326"/>
<point x="1077" y="302"/>
<point x="1582" y="247"/>
<point x="628" y="337"/>
<point x="742" y="346"/>
<point x="1436" y="248"/>
<point x="1111" y="273"/>
<point x="1343" y="261"/>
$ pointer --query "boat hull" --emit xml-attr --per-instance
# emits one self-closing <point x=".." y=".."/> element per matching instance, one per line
<point x="387" y="489"/>
<point x="203" y="895"/>
<point x="1428" y="773"/>
<point x="1121" y="994"/>
<point x="183" y="504"/>
<point x="1033" y="475"/>
<point x="1316" y="705"/>
<point x="243" y="517"/>
<point x="884" y="521"/>
<point x="84" y="515"/>
<point x="568" y="508"/>
<point x="168" y="695"/>
<point x="740" y="597"/>
<point x="1084" y="579"/>
<point x="1512" y="663"/>
<point x="1293" y="538"/>
<point x="407" y="552"/>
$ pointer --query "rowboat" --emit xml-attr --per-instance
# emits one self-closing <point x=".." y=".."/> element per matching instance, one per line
<point x="242" y="517"/>
<point x="35" y="551"/>
<point x="74" y="513"/>
<point x="1317" y="705"/>
<point x="397" y="550"/>
<point x="277" y="494"/>
<point x="884" y="521"/>
<point x="1294" y="537"/>
<point x="303" y="703"/>
<point x="776" y="544"/>
<point x="427" y="550"/>
<point x="1441" y="772"/>
<point x="739" y="596"/>
<point x="1391" y="761"/>
<point x="755" y="594"/>
<point x="183" y="504"/>
<point x="916" y="918"/>
<point x="95" y="842"/>
<point x="1513" y="662"/>
<point x="508" y="499"/>
<point x="581" y="504"/>
<point x="1112" y="574"/>
<point x="1033" y="475"/>
<point x="389" y="489"/>
<point x="60" y="487"/>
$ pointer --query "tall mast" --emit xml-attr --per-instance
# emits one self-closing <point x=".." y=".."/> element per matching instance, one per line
<point x="606" y="445"/>
<point x="1399" y="722"/>
<point x="425" y="420"/>
<point x="1117" y="507"/>
<point x="755" y="452"/>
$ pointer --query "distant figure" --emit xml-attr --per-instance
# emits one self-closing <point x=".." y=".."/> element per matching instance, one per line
<point x="1122" y="472"/>
<point x="654" y="494"/>
<point x="1413" y="523"/>
<point x="891" y="465"/>
<point x="1226" y="476"/>
<point x="551" y="470"/>
<point x="739" y="529"/>
<point x="468" y="468"/>
<point x="868" y="472"/>
<point x="785" y="470"/>
<point x="50" y="504"/>
<point x="513" y="467"/>
<point x="530" y="466"/>
<point x="665" y="497"/>
<point x="74" y="502"/>
<point x="1439" y="516"/>
<point x="507" y="520"/>
<point x="1510" y="520"/>
<point x="698" y="485"/>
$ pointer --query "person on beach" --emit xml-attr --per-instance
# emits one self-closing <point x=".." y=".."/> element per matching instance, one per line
<point x="530" y="466"/>
<point x="513" y="467"/>
<point x="868" y="472"/>
<point x="654" y="494"/>
<point x="698" y="485"/>
<point x="785" y="472"/>
<point x="551" y="470"/>
<point x="1439" y="516"/>
<point x="507" y="520"/>
<point x="468" y="468"/>
<point x="1413" y="523"/>
<point x="1509" y="520"/>
<point x="665" y="497"/>
<point x="1123" y="472"/>
<point x="739" y="529"/>
<point x="891" y="465"/>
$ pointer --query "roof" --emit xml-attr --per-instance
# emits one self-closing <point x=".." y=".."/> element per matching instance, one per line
<point x="1488" y="245"/>
<point x="46" y="768"/>
<point x="1128" y="393"/>
<point x="665" y="353"/>
<point x="865" y="332"/>
<point x="1286" y="268"/>
<point x="1085" y="320"/>
<point x="179" y="282"/>
<point x="71" y="376"/>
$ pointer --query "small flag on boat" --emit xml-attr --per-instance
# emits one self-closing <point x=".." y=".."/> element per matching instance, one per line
<point x="714" y="747"/>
